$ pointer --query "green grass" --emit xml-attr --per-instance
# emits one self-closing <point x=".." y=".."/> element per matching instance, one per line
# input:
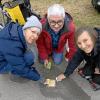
<point x="82" y="11"/>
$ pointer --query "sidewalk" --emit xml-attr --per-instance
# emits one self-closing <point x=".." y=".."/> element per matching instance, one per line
<point x="69" y="89"/>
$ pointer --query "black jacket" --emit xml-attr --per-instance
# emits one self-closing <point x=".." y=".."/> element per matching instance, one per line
<point x="92" y="60"/>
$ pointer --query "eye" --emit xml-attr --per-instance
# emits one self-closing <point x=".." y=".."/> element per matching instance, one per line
<point x="52" y="22"/>
<point x="78" y="43"/>
<point x="38" y="34"/>
<point x="85" y="40"/>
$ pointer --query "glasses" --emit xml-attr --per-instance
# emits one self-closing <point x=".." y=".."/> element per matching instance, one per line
<point x="53" y="23"/>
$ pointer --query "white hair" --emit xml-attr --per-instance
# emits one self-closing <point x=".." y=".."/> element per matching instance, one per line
<point x="56" y="9"/>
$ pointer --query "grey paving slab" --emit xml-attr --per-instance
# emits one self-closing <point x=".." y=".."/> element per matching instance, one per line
<point x="86" y="87"/>
<point x="69" y="89"/>
<point x="73" y="88"/>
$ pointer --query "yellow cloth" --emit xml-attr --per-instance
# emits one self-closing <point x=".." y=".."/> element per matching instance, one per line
<point x="15" y="14"/>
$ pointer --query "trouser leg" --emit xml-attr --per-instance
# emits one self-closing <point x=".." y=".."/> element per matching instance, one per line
<point x="57" y="57"/>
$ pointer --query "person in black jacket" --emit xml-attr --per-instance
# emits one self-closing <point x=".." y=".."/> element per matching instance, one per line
<point x="87" y="40"/>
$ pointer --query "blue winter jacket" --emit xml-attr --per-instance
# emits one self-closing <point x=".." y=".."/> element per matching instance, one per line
<point x="13" y="49"/>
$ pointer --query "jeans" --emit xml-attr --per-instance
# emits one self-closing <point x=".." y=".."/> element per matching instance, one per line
<point x="57" y="58"/>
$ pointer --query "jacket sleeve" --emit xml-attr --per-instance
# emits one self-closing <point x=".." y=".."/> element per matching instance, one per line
<point x="41" y="47"/>
<point x="73" y="63"/>
<point x="29" y="58"/>
<point x="69" y="54"/>
<point x="98" y="62"/>
<point x="19" y="61"/>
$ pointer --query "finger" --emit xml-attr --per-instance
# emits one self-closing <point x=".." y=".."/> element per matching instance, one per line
<point x="57" y="79"/>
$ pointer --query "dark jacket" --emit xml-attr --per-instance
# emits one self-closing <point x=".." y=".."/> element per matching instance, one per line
<point x="13" y="49"/>
<point x="92" y="60"/>
<point x="44" y="42"/>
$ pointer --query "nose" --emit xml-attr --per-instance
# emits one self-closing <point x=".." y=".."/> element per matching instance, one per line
<point x="83" y="45"/>
<point x="35" y="36"/>
<point x="56" y="25"/>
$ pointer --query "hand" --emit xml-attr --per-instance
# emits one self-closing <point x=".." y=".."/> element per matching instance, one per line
<point x="97" y="71"/>
<point x="46" y="62"/>
<point x="66" y="59"/>
<point x="46" y="82"/>
<point x="60" y="77"/>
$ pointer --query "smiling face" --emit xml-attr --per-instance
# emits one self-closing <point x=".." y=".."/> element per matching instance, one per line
<point x="85" y="43"/>
<point x="31" y="34"/>
<point x="56" y="22"/>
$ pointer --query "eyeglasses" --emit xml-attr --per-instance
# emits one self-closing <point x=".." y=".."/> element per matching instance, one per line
<point x="53" y="23"/>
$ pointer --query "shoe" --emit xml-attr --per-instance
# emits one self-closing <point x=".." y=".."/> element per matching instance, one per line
<point x="17" y="78"/>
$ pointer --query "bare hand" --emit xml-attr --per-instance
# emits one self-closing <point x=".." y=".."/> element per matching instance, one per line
<point x="46" y="62"/>
<point x="97" y="71"/>
<point x="60" y="77"/>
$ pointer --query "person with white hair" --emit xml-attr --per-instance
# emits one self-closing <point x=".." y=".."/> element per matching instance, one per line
<point x="17" y="54"/>
<point x="58" y="28"/>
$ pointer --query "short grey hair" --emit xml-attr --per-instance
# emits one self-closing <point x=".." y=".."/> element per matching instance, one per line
<point x="56" y="9"/>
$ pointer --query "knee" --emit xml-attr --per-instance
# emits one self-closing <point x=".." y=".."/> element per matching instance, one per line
<point x="36" y="78"/>
<point x="57" y="62"/>
<point x="57" y="58"/>
<point x="34" y="75"/>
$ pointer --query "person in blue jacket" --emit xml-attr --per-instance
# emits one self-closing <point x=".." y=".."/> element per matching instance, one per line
<point x="18" y="48"/>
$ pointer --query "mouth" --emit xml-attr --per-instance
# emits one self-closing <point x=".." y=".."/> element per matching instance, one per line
<point x="87" y="50"/>
<point x="31" y="41"/>
<point x="56" y="29"/>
